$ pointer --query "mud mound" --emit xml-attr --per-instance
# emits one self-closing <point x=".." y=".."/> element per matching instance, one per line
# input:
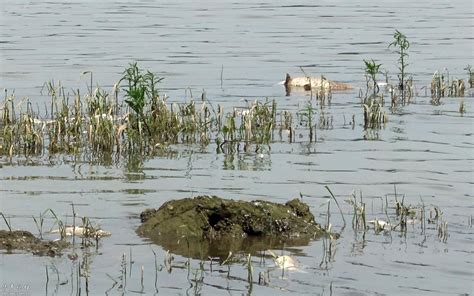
<point x="25" y="241"/>
<point x="209" y="225"/>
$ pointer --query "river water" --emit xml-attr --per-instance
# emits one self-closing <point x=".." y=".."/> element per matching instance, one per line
<point x="237" y="52"/>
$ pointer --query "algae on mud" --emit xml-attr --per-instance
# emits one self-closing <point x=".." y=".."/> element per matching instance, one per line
<point x="25" y="241"/>
<point x="212" y="226"/>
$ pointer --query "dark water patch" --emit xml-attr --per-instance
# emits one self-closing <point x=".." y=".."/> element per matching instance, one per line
<point x="387" y="274"/>
<point x="137" y="191"/>
<point x="404" y="171"/>
<point x="360" y="264"/>
<point x="413" y="263"/>
<point x="134" y="204"/>
<point x="421" y="289"/>
<point x="30" y="178"/>
<point x="417" y="160"/>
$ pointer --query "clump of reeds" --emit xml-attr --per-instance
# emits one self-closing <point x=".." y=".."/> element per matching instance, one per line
<point x="20" y="134"/>
<point x="374" y="115"/>
<point x="359" y="221"/>
<point x="306" y="118"/>
<point x="325" y="122"/>
<point x="102" y="123"/>
<point x="252" y="124"/>
<point x="286" y="123"/>
<point x="442" y="86"/>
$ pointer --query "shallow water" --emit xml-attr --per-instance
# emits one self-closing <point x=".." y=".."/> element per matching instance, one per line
<point x="425" y="150"/>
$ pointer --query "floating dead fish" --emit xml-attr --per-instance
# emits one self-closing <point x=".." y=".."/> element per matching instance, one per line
<point x="380" y="224"/>
<point x="412" y="221"/>
<point x="309" y="83"/>
<point x="83" y="232"/>
<point x="285" y="262"/>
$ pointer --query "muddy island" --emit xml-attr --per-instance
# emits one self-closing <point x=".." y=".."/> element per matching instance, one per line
<point x="212" y="226"/>
<point x="21" y="240"/>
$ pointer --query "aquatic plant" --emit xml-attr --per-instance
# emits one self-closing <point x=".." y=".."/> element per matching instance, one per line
<point x="443" y="231"/>
<point x="337" y="204"/>
<point x="325" y="121"/>
<point x="442" y="86"/>
<point x="371" y="70"/>
<point x="286" y="123"/>
<point x="374" y="115"/>
<point x="402" y="45"/>
<point x="140" y="90"/>
<point x="100" y="123"/>
<point x="61" y="225"/>
<point x="249" y="272"/>
<point x="470" y="76"/>
<point x="263" y="278"/>
<point x="306" y="116"/>
<point x="359" y="221"/>
<point x="462" y="108"/>
<point x="6" y="222"/>
<point x="40" y="222"/>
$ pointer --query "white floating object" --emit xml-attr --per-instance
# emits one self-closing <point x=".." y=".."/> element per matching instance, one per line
<point x="285" y="262"/>
<point x="83" y="231"/>
<point x="380" y="224"/>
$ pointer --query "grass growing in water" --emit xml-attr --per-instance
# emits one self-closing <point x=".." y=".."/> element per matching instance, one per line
<point x="402" y="45"/>
<point x="101" y="123"/>
<point x="442" y="86"/>
<point x="374" y="115"/>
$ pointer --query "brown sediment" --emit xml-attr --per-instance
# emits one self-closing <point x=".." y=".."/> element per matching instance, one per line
<point x="212" y="226"/>
<point x="25" y="241"/>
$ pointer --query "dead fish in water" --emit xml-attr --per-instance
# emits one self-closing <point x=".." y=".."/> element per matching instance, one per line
<point x="309" y="83"/>
<point x="380" y="224"/>
<point x="285" y="262"/>
<point x="83" y="231"/>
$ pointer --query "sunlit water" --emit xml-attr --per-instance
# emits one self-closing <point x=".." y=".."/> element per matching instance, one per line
<point x="425" y="150"/>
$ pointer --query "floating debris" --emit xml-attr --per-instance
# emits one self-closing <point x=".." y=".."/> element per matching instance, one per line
<point x="285" y="262"/>
<point x="309" y="83"/>
<point x="80" y="231"/>
<point x="380" y="225"/>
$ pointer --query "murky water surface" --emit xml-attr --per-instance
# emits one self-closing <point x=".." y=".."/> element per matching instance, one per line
<point x="425" y="150"/>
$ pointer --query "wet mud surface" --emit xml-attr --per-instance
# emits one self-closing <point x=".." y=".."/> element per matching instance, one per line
<point x="212" y="226"/>
<point x="20" y="240"/>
